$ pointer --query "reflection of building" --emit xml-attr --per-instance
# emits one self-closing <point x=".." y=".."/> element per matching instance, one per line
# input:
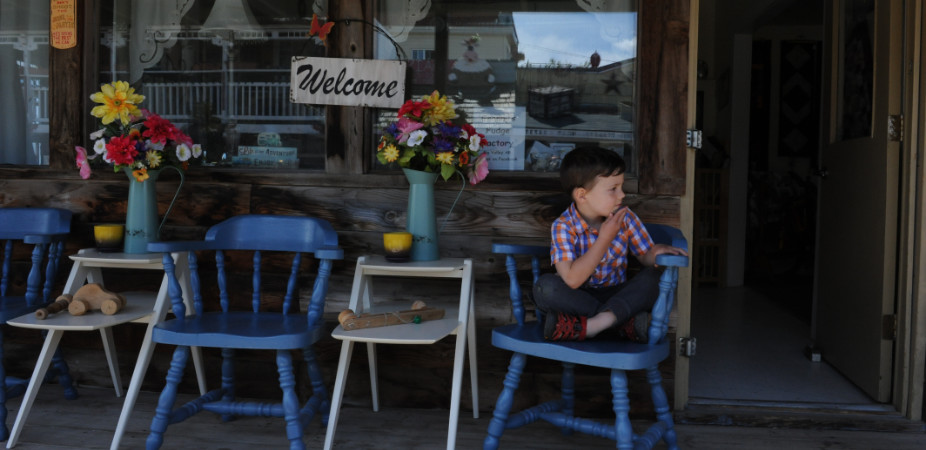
<point x="598" y="101"/>
<point x="498" y="47"/>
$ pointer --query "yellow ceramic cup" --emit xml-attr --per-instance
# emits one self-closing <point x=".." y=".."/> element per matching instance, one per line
<point x="109" y="237"/>
<point x="398" y="245"/>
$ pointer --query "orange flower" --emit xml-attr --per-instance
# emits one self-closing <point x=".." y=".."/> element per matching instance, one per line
<point x="140" y="174"/>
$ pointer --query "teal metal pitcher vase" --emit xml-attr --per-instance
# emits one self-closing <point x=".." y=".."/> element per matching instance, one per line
<point x="421" y="221"/>
<point x="141" y="216"/>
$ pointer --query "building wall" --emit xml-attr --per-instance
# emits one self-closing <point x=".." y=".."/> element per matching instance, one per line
<point x="361" y="206"/>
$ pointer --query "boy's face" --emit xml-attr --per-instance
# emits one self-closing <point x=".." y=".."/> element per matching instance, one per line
<point x="603" y="198"/>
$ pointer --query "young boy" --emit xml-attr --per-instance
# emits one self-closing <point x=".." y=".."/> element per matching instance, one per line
<point x="590" y="292"/>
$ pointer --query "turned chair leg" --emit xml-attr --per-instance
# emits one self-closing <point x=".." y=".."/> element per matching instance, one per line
<point x="4" y="431"/>
<point x="165" y="406"/>
<point x="228" y="380"/>
<point x="290" y="400"/>
<point x="661" y="406"/>
<point x="62" y="373"/>
<point x="568" y="394"/>
<point x="320" y="403"/>
<point x="504" y="402"/>
<point x="619" y="391"/>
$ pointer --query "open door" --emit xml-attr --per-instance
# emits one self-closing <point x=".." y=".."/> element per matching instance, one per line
<point x="859" y="201"/>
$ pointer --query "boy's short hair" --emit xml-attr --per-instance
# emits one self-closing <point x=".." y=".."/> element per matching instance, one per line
<point x="582" y="165"/>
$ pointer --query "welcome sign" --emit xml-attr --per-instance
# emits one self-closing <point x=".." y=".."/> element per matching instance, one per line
<point x="347" y="82"/>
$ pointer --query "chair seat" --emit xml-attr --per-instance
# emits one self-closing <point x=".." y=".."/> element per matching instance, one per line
<point x="238" y="330"/>
<point x="619" y="354"/>
<point x="13" y="307"/>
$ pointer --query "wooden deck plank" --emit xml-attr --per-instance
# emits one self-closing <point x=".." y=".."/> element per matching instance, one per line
<point x="88" y="423"/>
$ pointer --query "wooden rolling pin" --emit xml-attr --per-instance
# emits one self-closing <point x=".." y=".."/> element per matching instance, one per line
<point x="61" y="303"/>
<point x="419" y="312"/>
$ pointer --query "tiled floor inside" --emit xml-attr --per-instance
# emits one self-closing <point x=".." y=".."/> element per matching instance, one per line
<point x="751" y="349"/>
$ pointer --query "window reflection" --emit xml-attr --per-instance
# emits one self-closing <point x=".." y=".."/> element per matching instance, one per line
<point x="24" y="82"/>
<point x="538" y="79"/>
<point x="219" y="69"/>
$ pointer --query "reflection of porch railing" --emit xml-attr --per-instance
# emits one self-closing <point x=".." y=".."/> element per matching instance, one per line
<point x="264" y="101"/>
<point x="37" y="95"/>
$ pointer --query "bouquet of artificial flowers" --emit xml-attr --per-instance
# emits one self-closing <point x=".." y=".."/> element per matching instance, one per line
<point x="423" y="138"/>
<point x="133" y="138"/>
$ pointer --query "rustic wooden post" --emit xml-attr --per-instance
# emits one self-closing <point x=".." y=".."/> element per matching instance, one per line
<point x="662" y="96"/>
<point x="65" y="119"/>
<point x="346" y="126"/>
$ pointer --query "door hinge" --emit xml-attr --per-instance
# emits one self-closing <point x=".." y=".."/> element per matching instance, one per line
<point x="895" y="127"/>
<point x="693" y="138"/>
<point x="889" y="327"/>
<point x="687" y="346"/>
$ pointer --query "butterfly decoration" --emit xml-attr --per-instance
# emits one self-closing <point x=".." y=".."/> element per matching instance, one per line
<point x="320" y="30"/>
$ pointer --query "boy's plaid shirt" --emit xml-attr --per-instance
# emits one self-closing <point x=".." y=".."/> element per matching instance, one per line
<point x="572" y="237"/>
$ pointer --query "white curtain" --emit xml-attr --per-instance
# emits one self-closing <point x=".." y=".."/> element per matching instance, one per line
<point x="609" y="29"/>
<point x="154" y="27"/>
<point x="21" y="23"/>
<point x="398" y="17"/>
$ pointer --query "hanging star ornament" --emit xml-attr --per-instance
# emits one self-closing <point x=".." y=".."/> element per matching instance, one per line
<point x="612" y="84"/>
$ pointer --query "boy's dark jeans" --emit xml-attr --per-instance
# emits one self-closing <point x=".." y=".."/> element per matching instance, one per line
<point x="625" y="300"/>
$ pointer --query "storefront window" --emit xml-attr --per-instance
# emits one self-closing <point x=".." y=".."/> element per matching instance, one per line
<point x="220" y="70"/>
<point x="537" y="78"/>
<point x="24" y="82"/>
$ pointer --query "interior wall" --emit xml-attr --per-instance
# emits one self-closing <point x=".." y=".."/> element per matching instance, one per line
<point x="726" y="84"/>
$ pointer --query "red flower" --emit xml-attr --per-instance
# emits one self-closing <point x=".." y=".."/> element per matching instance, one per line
<point x="121" y="150"/>
<point x="413" y="108"/>
<point x="159" y="130"/>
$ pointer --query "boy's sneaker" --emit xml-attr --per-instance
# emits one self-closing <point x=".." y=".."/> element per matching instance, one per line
<point x="637" y="328"/>
<point x="563" y="327"/>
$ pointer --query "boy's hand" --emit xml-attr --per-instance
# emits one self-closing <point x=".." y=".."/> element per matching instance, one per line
<point x="612" y="224"/>
<point x="649" y="259"/>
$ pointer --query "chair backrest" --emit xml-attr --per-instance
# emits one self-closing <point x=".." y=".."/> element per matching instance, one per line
<point x="46" y="229"/>
<point x="539" y="256"/>
<point x="293" y="235"/>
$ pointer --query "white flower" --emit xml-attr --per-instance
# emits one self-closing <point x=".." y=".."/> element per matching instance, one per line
<point x="99" y="146"/>
<point x="183" y="152"/>
<point x="474" y="142"/>
<point x="98" y="133"/>
<point x="416" y="137"/>
<point x="197" y="150"/>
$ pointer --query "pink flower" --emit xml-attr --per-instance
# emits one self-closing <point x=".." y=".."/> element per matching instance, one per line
<point x="405" y="127"/>
<point x="480" y="169"/>
<point x="82" y="162"/>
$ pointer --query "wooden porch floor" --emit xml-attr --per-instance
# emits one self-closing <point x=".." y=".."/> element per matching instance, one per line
<point x="88" y="423"/>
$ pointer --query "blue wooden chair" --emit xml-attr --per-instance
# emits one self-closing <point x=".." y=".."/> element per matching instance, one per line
<point x="44" y="230"/>
<point x="526" y="338"/>
<point x="261" y="238"/>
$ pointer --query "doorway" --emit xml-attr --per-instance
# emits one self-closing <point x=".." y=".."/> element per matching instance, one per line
<point x="754" y="340"/>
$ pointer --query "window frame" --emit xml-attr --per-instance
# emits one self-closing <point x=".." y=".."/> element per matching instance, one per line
<point x="661" y="109"/>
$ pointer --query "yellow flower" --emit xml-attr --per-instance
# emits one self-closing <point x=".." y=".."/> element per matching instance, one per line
<point x="154" y="159"/>
<point x="441" y="109"/>
<point x="391" y="153"/>
<point x="140" y="174"/>
<point x="116" y="99"/>
<point x="445" y="157"/>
